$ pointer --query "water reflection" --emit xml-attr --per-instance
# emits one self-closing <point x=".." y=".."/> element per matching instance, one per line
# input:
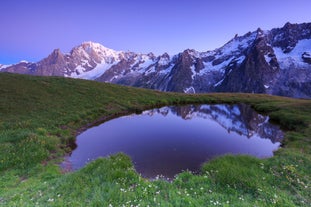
<point x="239" y="118"/>
<point x="169" y="140"/>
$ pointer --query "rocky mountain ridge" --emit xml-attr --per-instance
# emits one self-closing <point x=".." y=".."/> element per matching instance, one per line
<point x="275" y="62"/>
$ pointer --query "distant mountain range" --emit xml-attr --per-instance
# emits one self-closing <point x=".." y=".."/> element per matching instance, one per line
<point x="275" y="62"/>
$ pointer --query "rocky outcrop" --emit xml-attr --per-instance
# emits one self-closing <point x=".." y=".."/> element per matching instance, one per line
<point x="255" y="73"/>
<point x="306" y="56"/>
<point x="180" y="77"/>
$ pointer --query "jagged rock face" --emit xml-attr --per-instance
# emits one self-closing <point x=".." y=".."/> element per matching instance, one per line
<point x="291" y="45"/>
<point x="255" y="73"/>
<point x="55" y="63"/>
<point x="306" y="56"/>
<point x="180" y="75"/>
<point x="276" y="62"/>
<point x="287" y="37"/>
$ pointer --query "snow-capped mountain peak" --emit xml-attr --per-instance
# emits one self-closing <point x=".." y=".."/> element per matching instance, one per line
<point x="99" y="49"/>
<point x="96" y="52"/>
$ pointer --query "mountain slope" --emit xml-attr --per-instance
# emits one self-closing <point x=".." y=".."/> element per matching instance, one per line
<point x="275" y="62"/>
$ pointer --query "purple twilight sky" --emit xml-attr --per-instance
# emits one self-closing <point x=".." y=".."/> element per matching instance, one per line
<point x="31" y="29"/>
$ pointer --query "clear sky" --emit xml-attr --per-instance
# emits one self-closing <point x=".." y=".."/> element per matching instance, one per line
<point x="31" y="29"/>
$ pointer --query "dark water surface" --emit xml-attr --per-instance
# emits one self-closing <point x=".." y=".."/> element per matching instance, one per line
<point x="168" y="140"/>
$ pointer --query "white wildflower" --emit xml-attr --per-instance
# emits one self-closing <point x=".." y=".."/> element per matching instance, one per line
<point x="51" y="200"/>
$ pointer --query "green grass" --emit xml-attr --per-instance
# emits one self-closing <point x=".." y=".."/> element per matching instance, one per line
<point x="40" y="117"/>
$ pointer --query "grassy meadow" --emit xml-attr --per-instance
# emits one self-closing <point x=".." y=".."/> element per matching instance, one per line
<point x="40" y="117"/>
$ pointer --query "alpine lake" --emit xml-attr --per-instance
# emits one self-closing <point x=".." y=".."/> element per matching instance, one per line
<point x="166" y="141"/>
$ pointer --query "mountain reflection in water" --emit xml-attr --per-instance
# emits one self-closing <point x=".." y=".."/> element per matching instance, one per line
<point x="169" y="140"/>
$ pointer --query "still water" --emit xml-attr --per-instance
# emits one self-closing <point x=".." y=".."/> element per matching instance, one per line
<point x="169" y="140"/>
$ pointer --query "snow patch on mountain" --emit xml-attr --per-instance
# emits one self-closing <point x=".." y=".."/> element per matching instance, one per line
<point x="267" y="58"/>
<point x="150" y="70"/>
<point x="240" y="59"/>
<point x="208" y="66"/>
<point x="228" y="53"/>
<point x="192" y="68"/>
<point x="164" y="61"/>
<point x="219" y="82"/>
<point x="189" y="90"/>
<point x="294" y="57"/>
<point x="4" y="66"/>
<point x="167" y="70"/>
<point x="145" y="64"/>
<point x="237" y="44"/>
<point x="98" y="71"/>
<point x="194" y="53"/>
<point x="141" y="63"/>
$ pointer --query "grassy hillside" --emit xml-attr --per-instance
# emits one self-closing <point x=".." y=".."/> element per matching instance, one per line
<point x="40" y="116"/>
